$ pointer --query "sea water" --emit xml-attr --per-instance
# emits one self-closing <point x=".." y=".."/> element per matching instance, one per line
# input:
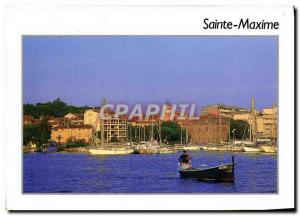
<point x="152" y="173"/>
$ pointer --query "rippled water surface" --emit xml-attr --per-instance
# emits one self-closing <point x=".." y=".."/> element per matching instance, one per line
<point x="84" y="173"/>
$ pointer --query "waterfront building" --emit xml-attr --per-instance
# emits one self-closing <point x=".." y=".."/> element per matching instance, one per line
<point x="63" y="134"/>
<point x="89" y="118"/>
<point x="267" y="124"/>
<point x="209" y="129"/>
<point x="263" y="125"/>
<point x="225" y="111"/>
<point x="110" y="126"/>
<point x="114" y="127"/>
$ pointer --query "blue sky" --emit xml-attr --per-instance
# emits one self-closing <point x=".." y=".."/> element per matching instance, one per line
<point x="82" y="70"/>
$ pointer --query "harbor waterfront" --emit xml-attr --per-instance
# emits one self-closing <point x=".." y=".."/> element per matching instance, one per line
<point x="146" y="173"/>
<point x="141" y="107"/>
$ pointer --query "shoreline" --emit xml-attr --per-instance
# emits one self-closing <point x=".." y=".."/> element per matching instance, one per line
<point x="213" y="149"/>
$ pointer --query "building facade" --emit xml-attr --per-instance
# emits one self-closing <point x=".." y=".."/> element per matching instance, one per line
<point x="262" y="124"/>
<point x="110" y="127"/>
<point x="114" y="128"/>
<point x="63" y="134"/>
<point x="225" y="111"/>
<point x="90" y="117"/>
<point x="209" y="129"/>
<point x="267" y="124"/>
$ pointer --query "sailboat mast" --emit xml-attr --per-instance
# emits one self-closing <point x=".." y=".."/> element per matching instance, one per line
<point x="180" y="134"/>
<point x="152" y="130"/>
<point x="250" y="131"/>
<point x="220" y="128"/>
<point x="159" y="128"/>
<point x="186" y="136"/>
<point x="229" y="132"/>
<point x="254" y="128"/>
<point x="102" y="132"/>
<point x="101" y="121"/>
<point x="139" y="133"/>
<point x="144" y="127"/>
<point x="273" y="132"/>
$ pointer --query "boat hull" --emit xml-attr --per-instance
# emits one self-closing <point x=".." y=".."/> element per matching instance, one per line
<point x="236" y="149"/>
<point x="251" y="149"/>
<point x="212" y="148"/>
<point x="110" y="151"/>
<point x="191" y="148"/>
<point x="223" y="173"/>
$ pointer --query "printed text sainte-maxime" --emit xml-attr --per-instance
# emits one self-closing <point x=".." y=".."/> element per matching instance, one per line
<point x="242" y="24"/>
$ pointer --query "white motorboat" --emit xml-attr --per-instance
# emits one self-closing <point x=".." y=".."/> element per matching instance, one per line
<point x="251" y="149"/>
<point x="110" y="151"/>
<point x="191" y="148"/>
<point x="212" y="148"/>
<point x="248" y="143"/>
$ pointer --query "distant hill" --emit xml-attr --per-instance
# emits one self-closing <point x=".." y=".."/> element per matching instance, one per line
<point x="56" y="108"/>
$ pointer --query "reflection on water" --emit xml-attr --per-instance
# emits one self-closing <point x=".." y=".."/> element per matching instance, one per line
<point x="84" y="173"/>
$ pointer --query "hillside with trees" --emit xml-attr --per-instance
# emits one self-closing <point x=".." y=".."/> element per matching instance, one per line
<point x="56" y="108"/>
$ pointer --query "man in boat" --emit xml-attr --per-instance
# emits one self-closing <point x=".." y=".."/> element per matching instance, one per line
<point x="185" y="160"/>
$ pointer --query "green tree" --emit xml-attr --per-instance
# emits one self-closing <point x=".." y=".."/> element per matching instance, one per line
<point x="240" y="128"/>
<point x="171" y="131"/>
<point x="30" y="134"/>
<point x="44" y="130"/>
<point x="38" y="134"/>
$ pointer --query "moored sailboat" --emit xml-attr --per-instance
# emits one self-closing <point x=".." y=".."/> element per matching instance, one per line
<point x="192" y="148"/>
<point x="110" y="151"/>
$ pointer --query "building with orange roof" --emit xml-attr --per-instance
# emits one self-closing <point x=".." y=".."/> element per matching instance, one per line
<point x="63" y="134"/>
